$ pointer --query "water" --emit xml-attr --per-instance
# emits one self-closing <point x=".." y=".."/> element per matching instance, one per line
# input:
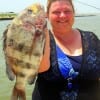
<point x="86" y="23"/>
<point x="91" y="23"/>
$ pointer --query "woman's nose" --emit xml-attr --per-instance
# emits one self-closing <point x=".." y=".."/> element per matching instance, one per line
<point x="62" y="14"/>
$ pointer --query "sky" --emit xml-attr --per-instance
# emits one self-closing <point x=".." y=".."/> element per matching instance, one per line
<point x="81" y="6"/>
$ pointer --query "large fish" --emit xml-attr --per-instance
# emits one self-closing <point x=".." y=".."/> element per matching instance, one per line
<point x="23" y="45"/>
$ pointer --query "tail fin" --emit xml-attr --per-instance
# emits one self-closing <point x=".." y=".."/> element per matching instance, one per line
<point x="18" y="94"/>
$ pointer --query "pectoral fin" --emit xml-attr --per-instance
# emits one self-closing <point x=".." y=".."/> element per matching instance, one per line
<point x="10" y="73"/>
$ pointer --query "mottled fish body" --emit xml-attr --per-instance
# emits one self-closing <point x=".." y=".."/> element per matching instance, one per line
<point x="23" y="46"/>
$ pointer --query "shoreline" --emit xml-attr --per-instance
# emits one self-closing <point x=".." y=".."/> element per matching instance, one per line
<point x="85" y="15"/>
<point x="7" y="18"/>
<point x="7" y="15"/>
<point x="10" y="16"/>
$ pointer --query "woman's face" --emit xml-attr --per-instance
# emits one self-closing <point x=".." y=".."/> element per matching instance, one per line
<point x="61" y="15"/>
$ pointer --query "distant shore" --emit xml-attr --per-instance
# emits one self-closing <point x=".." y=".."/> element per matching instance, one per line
<point x="7" y="18"/>
<point x="85" y="15"/>
<point x="11" y="15"/>
<point x="7" y="15"/>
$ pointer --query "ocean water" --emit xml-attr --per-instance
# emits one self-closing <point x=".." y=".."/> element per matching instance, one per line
<point x="90" y="23"/>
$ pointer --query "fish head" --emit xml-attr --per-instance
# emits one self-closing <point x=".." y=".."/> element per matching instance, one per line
<point x="39" y="22"/>
<point x="34" y="19"/>
<point x="39" y="15"/>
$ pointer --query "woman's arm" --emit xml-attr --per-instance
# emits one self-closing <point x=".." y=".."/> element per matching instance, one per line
<point x="45" y="62"/>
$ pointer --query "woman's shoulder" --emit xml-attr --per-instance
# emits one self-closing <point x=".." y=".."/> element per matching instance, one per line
<point x="90" y="40"/>
<point x="89" y="35"/>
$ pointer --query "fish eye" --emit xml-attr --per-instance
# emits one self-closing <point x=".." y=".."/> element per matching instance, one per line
<point x="29" y="11"/>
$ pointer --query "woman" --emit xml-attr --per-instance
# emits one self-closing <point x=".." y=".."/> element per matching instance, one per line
<point x="70" y="68"/>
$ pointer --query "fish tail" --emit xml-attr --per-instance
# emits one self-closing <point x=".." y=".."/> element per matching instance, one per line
<point x="18" y="94"/>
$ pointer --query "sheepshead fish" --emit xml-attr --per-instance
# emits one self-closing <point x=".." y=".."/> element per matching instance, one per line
<point x="23" y="45"/>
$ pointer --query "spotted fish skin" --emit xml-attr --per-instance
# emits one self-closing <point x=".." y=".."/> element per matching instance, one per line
<point x="23" y="45"/>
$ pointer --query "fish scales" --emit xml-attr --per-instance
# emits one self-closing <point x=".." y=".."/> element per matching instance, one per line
<point x="23" y="45"/>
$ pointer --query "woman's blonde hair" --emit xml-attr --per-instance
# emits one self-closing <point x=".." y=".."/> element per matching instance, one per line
<point x="49" y="2"/>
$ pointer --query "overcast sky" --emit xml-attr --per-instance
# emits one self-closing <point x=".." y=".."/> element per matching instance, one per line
<point x="81" y="6"/>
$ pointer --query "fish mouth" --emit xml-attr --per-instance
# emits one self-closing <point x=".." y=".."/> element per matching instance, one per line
<point x="40" y="28"/>
<point x="38" y="32"/>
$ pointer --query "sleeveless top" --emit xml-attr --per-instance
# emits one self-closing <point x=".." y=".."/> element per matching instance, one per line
<point x="68" y="63"/>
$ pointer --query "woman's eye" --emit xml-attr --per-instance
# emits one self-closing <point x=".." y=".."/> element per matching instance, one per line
<point x="56" y="12"/>
<point x="68" y="12"/>
<point x="29" y="11"/>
